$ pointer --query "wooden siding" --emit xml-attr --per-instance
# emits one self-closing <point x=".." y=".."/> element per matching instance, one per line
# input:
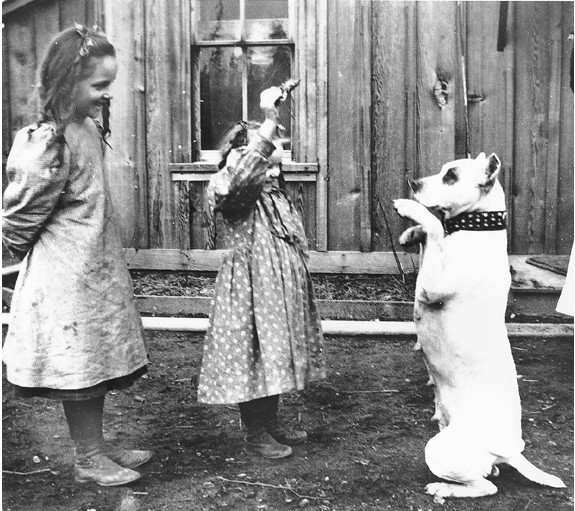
<point x="126" y="160"/>
<point x="25" y="37"/>
<point x="349" y="133"/>
<point x="519" y="105"/>
<point x="383" y="97"/>
<point x="537" y="171"/>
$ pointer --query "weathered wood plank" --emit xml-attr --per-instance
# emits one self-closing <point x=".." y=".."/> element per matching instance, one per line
<point x="519" y="303"/>
<point x="141" y="204"/>
<point x="532" y="70"/>
<point x="490" y="95"/>
<point x="198" y="234"/>
<point x="6" y="102"/>
<point x="126" y="170"/>
<point x="46" y="26"/>
<point x="460" y="91"/>
<point x="303" y="195"/>
<point x="311" y="71"/>
<point x="363" y="136"/>
<point x="309" y="141"/>
<point x="162" y="21"/>
<point x="437" y="70"/>
<point x="359" y="310"/>
<point x="181" y="74"/>
<point x="182" y="198"/>
<point x="204" y="176"/>
<point x="410" y="124"/>
<point x="319" y="262"/>
<point x="345" y="183"/>
<point x="188" y="227"/>
<point x="213" y="167"/>
<point x="13" y="5"/>
<point x="94" y="12"/>
<point x="552" y="175"/>
<point x="322" y="123"/>
<point x="564" y="219"/>
<point x="72" y="11"/>
<point x="391" y="96"/>
<point x="21" y="70"/>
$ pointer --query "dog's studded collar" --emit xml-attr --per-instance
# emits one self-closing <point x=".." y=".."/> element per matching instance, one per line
<point x="476" y="221"/>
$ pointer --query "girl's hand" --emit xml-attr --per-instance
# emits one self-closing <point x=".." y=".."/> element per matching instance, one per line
<point x="269" y="99"/>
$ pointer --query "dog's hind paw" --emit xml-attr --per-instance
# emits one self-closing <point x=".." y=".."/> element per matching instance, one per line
<point x="479" y="488"/>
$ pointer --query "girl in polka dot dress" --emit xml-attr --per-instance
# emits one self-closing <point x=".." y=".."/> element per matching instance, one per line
<point x="265" y="335"/>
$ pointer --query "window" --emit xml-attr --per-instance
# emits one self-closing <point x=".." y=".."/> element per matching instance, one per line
<point x="240" y="48"/>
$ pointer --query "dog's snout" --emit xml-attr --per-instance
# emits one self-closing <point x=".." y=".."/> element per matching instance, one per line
<point x="414" y="184"/>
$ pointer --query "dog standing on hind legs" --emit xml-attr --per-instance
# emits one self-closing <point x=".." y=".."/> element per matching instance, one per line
<point x="460" y="301"/>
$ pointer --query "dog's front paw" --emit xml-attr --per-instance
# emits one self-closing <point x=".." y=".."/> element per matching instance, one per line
<point x="412" y="236"/>
<point x="413" y="210"/>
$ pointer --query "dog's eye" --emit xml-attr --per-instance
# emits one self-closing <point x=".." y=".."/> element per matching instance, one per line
<point x="450" y="177"/>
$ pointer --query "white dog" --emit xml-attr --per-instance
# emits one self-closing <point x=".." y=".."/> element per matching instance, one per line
<point x="460" y="300"/>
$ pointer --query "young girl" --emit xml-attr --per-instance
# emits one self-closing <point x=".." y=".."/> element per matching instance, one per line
<point x="75" y="333"/>
<point x="265" y="334"/>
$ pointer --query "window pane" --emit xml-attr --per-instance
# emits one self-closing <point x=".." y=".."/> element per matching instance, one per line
<point x="218" y="20"/>
<point x="268" y="66"/>
<point x="262" y="9"/>
<point x="267" y="19"/>
<point x="220" y="93"/>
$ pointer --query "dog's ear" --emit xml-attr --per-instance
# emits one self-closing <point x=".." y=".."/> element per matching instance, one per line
<point x="492" y="168"/>
<point x="480" y="157"/>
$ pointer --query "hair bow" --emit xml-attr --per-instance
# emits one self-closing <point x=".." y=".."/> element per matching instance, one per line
<point x="86" y="40"/>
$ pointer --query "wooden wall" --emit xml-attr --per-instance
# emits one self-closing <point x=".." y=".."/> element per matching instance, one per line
<point x="26" y="34"/>
<point x="519" y="105"/>
<point x="393" y="96"/>
<point x="349" y="135"/>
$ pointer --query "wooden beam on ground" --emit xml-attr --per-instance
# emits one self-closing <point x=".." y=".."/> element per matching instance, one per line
<point x="199" y="306"/>
<point x="357" y="328"/>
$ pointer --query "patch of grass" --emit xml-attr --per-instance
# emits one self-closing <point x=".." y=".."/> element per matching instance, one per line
<point x="327" y="287"/>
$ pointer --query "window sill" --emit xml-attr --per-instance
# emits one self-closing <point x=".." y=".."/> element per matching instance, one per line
<point x="202" y="171"/>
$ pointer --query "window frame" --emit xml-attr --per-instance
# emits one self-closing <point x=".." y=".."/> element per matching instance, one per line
<point x="211" y="155"/>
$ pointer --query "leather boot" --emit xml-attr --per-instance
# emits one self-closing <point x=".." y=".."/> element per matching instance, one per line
<point x="263" y="444"/>
<point x="284" y="434"/>
<point x="92" y="465"/>
<point x="128" y="458"/>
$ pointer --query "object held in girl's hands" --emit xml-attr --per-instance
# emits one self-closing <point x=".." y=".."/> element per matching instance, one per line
<point x="287" y="87"/>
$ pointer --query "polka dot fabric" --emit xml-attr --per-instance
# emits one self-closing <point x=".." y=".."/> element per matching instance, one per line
<point x="265" y="333"/>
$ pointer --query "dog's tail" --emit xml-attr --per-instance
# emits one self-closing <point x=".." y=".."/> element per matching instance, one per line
<point x="531" y="472"/>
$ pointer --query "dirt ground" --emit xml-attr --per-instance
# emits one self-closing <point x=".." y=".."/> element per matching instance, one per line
<point x="367" y="424"/>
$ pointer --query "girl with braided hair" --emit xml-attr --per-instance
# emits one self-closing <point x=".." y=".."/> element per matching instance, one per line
<point x="75" y="333"/>
<point x="264" y="336"/>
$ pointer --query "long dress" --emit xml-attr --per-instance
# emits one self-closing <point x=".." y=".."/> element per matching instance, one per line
<point x="264" y="336"/>
<point x="74" y="323"/>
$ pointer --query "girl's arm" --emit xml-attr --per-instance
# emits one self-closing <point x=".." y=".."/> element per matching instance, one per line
<point x="248" y="173"/>
<point x="36" y="179"/>
<point x="247" y="178"/>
